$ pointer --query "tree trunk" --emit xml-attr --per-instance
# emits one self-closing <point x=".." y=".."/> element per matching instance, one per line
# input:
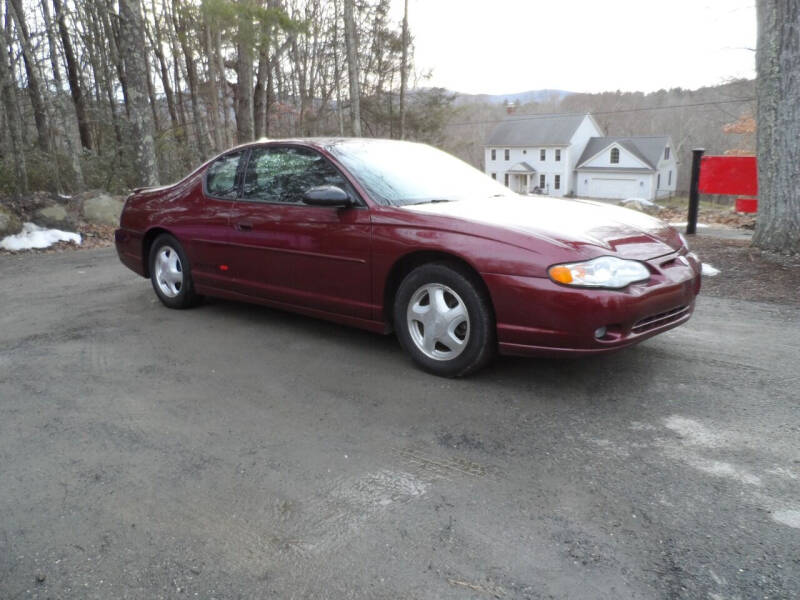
<point x="260" y="91"/>
<point x="156" y="42"/>
<point x="151" y="94"/>
<point x="181" y="134"/>
<point x="270" y="94"/>
<point x="220" y="64"/>
<point x="181" y="28"/>
<point x="113" y="35"/>
<point x="67" y="124"/>
<point x="8" y="94"/>
<point x="778" y="96"/>
<point x="244" y="76"/>
<point x="99" y="23"/>
<point x="34" y="85"/>
<point x="404" y="74"/>
<point x="336" y="72"/>
<point x="72" y="76"/>
<point x="351" y="45"/>
<point x="132" y="47"/>
<point x="213" y="87"/>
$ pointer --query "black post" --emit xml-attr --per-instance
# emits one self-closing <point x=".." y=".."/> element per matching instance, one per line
<point x="694" y="193"/>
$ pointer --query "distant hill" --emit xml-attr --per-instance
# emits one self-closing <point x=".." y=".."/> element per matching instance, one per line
<point x="518" y="97"/>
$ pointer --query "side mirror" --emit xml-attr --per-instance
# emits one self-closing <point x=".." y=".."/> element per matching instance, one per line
<point x="327" y="195"/>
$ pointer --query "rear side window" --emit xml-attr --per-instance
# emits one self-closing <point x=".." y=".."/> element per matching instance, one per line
<point x="276" y="174"/>
<point x="221" y="180"/>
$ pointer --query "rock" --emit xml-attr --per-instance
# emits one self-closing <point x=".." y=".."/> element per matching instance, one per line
<point x="40" y="577"/>
<point x="34" y="201"/>
<point x="102" y="209"/>
<point x="10" y="223"/>
<point x="54" y="216"/>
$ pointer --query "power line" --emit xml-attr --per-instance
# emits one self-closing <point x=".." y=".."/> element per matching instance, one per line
<point x="601" y="112"/>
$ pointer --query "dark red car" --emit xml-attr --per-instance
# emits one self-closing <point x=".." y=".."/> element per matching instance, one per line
<point x="388" y="235"/>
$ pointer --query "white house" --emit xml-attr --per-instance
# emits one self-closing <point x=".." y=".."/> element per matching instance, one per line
<point x="569" y="155"/>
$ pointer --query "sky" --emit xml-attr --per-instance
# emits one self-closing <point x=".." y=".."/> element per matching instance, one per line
<point x="507" y="46"/>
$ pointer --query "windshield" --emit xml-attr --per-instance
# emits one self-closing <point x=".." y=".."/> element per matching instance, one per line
<point x="401" y="173"/>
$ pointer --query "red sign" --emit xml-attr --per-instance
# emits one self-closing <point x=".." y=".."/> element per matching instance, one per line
<point x="729" y="175"/>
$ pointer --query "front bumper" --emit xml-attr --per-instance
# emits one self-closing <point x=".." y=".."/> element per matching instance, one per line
<point x="537" y="317"/>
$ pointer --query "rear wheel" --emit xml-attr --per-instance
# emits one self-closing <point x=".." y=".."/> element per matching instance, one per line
<point x="170" y="273"/>
<point x="444" y="320"/>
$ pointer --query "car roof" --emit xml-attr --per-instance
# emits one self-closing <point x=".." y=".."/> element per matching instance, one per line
<point x="319" y="142"/>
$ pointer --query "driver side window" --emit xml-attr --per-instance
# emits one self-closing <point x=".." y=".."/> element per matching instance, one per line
<point x="283" y="175"/>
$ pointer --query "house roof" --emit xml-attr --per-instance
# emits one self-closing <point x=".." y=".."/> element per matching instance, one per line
<point x="522" y="167"/>
<point x="535" y="130"/>
<point x="649" y="149"/>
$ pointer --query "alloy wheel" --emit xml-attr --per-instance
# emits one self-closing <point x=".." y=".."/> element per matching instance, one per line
<point x="168" y="271"/>
<point x="438" y="321"/>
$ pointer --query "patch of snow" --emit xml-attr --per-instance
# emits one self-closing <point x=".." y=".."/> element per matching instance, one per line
<point x="684" y="224"/>
<point x="709" y="270"/>
<point x="783" y="472"/>
<point x="33" y="236"/>
<point x="643" y="202"/>
<point x="787" y="517"/>
<point x="64" y="197"/>
<point x="719" y="468"/>
<point x="693" y="432"/>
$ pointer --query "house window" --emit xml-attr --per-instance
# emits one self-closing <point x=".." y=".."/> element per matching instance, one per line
<point x="557" y="182"/>
<point x="614" y="156"/>
<point x="542" y="181"/>
<point x="494" y="154"/>
<point x="508" y="154"/>
<point x="542" y="154"/>
<point x="505" y="179"/>
<point x="494" y="176"/>
<point x="669" y="178"/>
<point x="666" y="153"/>
<point x="658" y="182"/>
<point x="558" y="154"/>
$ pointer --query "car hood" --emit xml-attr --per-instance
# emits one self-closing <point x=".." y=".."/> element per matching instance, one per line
<point x="565" y="222"/>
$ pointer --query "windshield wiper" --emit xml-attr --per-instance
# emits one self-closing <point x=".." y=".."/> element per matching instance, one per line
<point x="434" y="201"/>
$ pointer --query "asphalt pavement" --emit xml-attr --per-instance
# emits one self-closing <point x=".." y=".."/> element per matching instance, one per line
<point x="234" y="451"/>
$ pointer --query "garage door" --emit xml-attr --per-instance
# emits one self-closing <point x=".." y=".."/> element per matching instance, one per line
<point x="613" y="187"/>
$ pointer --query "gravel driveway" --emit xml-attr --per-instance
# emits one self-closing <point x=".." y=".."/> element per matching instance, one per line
<point x="233" y="451"/>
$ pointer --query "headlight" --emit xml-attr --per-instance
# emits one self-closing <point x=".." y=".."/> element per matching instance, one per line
<point x="604" y="272"/>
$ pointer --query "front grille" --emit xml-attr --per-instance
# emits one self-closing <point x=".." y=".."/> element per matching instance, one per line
<point x="658" y="320"/>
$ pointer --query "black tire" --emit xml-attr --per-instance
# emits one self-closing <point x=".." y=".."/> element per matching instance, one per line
<point x="184" y="295"/>
<point x="459" y="286"/>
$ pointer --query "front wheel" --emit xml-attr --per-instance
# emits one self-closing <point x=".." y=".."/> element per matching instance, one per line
<point x="444" y="320"/>
<point x="170" y="273"/>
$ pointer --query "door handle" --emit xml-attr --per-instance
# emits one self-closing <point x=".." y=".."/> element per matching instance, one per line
<point x="243" y="226"/>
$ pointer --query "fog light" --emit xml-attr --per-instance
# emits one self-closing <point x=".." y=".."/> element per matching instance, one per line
<point x="600" y="332"/>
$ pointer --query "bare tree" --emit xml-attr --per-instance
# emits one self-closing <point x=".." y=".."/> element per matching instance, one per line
<point x="778" y="131"/>
<point x="157" y="84"/>
<point x="66" y="123"/>
<point x="351" y="44"/>
<point x="244" y="74"/>
<point x="8" y="92"/>
<point x="182" y="18"/>
<point x="34" y="84"/>
<point x="404" y="73"/>
<point x="73" y="77"/>
<point x="132" y="49"/>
